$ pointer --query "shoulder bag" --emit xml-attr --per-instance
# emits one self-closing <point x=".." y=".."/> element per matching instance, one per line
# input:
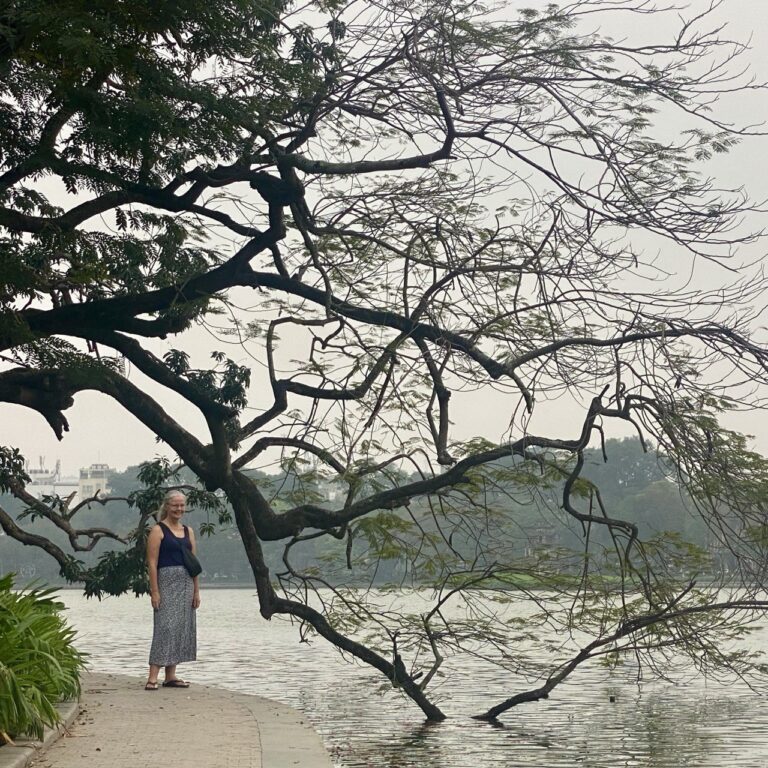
<point x="191" y="563"/>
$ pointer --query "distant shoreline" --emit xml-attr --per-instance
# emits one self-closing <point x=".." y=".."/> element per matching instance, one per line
<point x="204" y="585"/>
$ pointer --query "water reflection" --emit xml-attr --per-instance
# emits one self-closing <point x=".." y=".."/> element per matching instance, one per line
<point x="656" y="726"/>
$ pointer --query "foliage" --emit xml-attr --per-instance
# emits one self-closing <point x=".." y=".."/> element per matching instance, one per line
<point x="119" y="571"/>
<point x="11" y="465"/>
<point x="39" y="665"/>
<point x="434" y="206"/>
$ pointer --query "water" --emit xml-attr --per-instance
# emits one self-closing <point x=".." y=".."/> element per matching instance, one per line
<point x="656" y="726"/>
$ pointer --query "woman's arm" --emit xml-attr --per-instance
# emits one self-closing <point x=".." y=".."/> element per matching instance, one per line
<point x="153" y="553"/>
<point x="196" y="579"/>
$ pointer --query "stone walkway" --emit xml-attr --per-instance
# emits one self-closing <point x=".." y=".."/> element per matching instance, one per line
<point x="122" y="726"/>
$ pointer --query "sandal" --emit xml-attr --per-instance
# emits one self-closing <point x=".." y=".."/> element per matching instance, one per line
<point x="176" y="683"/>
<point x="151" y="685"/>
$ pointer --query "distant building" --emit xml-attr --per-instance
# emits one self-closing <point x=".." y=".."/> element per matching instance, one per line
<point x="94" y="481"/>
<point x="541" y="538"/>
<point x="46" y="482"/>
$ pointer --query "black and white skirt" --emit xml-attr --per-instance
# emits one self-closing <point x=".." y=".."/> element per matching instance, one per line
<point x="174" y="639"/>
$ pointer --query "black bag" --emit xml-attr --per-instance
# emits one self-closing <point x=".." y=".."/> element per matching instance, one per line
<point x="191" y="563"/>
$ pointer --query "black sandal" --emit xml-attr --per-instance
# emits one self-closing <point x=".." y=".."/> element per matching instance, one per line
<point x="176" y="683"/>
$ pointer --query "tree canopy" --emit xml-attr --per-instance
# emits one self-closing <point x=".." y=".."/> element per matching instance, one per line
<point x="383" y="209"/>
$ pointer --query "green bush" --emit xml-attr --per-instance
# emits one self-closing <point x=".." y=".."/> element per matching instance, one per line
<point x="39" y="666"/>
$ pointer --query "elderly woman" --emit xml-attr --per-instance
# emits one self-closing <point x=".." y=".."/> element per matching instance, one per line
<point x="175" y="595"/>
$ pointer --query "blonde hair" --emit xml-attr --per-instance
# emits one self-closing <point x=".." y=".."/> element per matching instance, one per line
<point x="162" y="512"/>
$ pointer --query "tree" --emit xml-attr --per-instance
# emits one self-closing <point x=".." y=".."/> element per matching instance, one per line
<point x="429" y="200"/>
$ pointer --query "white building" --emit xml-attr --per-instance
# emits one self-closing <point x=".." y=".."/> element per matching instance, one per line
<point x="94" y="481"/>
<point x="46" y="482"/>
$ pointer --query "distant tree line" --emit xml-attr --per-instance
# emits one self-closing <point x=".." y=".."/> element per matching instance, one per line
<point x="634" y="483"/>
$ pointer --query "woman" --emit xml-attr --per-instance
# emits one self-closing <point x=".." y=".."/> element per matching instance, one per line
<point x="175" y="595"/>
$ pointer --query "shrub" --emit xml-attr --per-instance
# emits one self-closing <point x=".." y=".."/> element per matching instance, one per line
<point x="39" y="665"/>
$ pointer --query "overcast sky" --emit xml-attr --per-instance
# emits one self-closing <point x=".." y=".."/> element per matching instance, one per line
<point x="102" y="432"/>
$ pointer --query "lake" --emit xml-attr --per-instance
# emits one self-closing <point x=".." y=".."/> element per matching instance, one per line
<point x="656" y="725"/>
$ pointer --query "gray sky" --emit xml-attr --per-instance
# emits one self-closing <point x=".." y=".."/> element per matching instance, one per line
<point x="102" y="432"/>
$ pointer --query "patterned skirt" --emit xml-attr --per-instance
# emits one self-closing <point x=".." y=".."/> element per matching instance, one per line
<point x="175" y="632"/>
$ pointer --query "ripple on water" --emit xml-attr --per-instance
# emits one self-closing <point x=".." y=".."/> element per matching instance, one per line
<point x="658" y="726"/>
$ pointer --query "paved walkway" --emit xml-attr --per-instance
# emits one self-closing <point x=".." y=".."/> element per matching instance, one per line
<point x="122" y="726"/>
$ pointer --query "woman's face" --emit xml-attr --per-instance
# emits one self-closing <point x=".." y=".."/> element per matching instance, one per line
<point x="175" y="507"/>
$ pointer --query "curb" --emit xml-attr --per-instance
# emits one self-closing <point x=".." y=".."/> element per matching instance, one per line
<point x="25" y="750"/>
<point x="276" y="750"/>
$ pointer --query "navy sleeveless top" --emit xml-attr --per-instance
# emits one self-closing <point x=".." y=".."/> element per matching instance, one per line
<point x="170" y="547"/>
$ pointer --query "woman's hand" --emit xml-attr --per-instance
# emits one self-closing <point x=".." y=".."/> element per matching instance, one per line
<point x="155" y="599"/>
<point x="196" y="600"/>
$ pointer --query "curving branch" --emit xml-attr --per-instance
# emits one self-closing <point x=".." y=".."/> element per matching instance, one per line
<point x="62" y="521"/>
<point x="633" y="630"/>
<point x="271" y="604"/>
<point x="49" y="392"/>
<point x="121" y="313"/>
<point x="10" y="528"/>
<point x="264" y="443"/>
<point x="443" y="395"/>
<point x="310" y="166"/>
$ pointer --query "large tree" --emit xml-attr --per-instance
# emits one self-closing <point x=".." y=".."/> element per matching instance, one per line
<point x="393" y="207"/>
